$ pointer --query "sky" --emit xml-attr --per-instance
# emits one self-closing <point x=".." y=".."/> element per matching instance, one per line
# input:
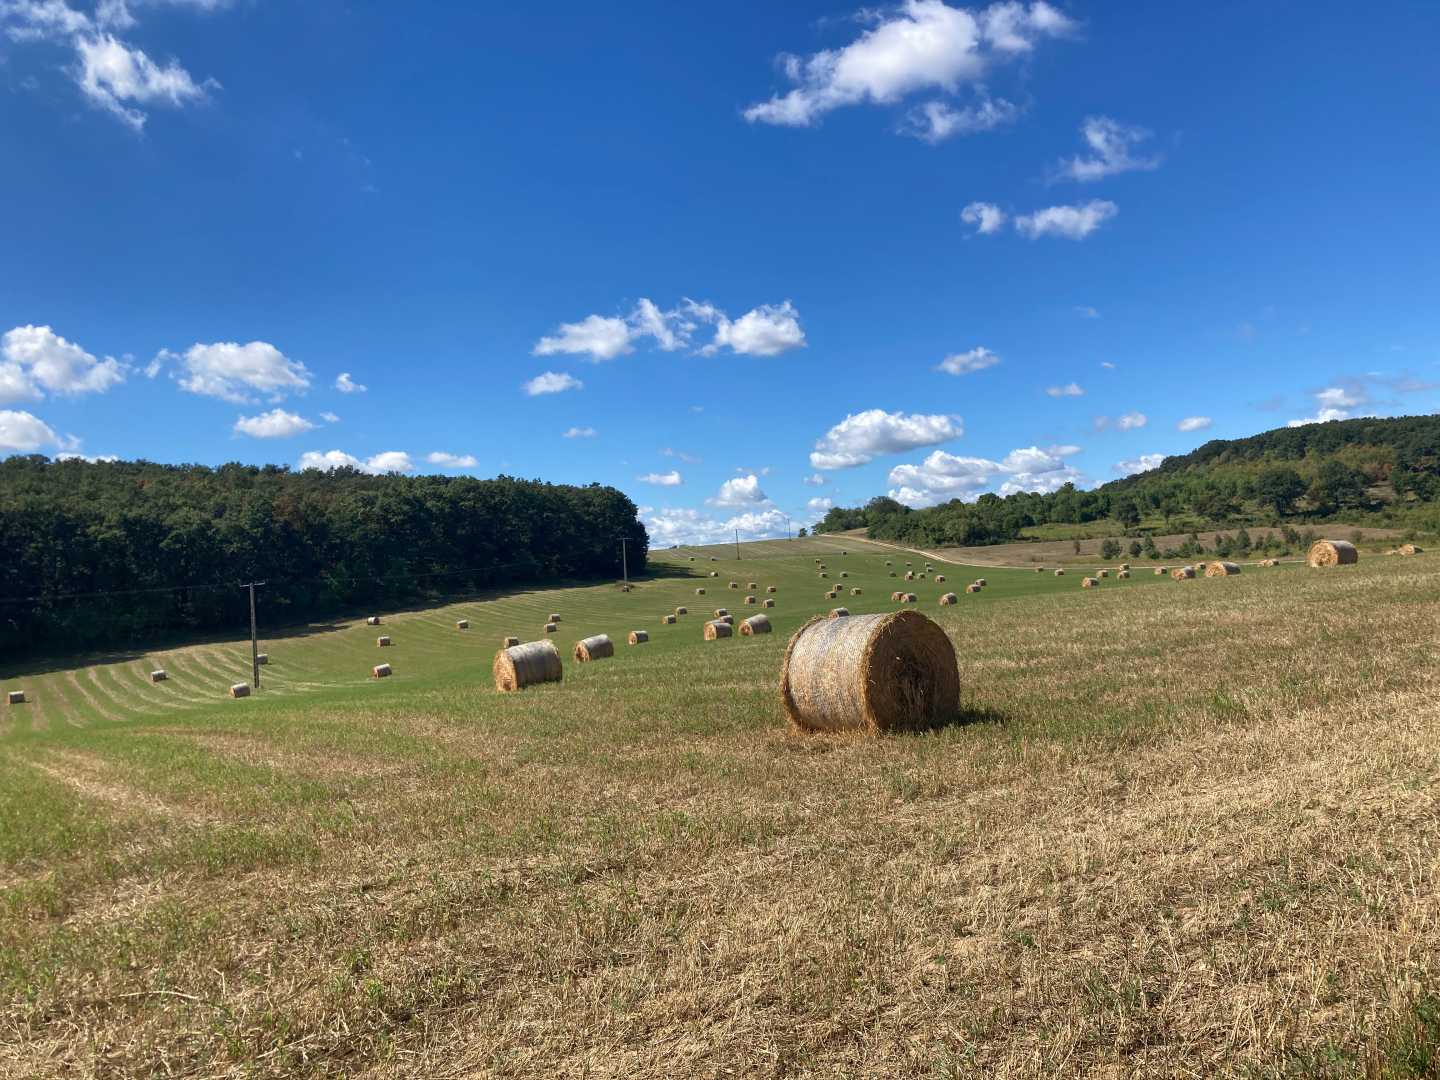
<point x="743" y="264"/>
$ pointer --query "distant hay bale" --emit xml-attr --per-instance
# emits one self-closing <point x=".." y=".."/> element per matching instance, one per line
<point x="639" y="637"/>
<point x="768" y="602"/>
<point x="1123" y="574"/>
<point x="909" y="575"/>
<point x="553" y="617"/>
<point x="240" y="690"/>
<point x="525" y="665"/>
<point x="462" y="624"/>
<point x="714" y="558"/>
<point x="911" y="598"/>
<point x="1124" y="566"/>
<point x="981" y="582"/>
<point x="824" y="567"/>
<point x="1182" y="573"/>
<point x="719" y="611"/>
<point x="1102" y="573"/>
<point x="373" y="620"/>
<point x="1222" y="569"/>
<point x="839" y="613"/>
<point x="508" y="642"/>
<point x="624" y="588"/>
<point x="714" y="573"/>
<point x="551" y="627"/>
<point x="1090" y="583"/>
<point x="889" y="563"/>
<point x="856" y="591"/>
<point x="751" y="600"/>
<point x="1060" y="572"/>
<point x="728" y="620"/>
<point x="894" y="596"/>
<point x="734" y="584"/>
<point x="692" y="558"/>
<point x="1410" y="549"/>
<point x="17" y="697"/>
<point x="596" y="647"/>
<point x="381" y="671"/>
<point x="159" y="675"/>
<point x="892" y="573"/>
<point x="668" y="620"/>
<point x="973" y="587"/>
<point x="751" y="586"/>
<point x="263" y="659"/>
<point x="844" y="552"/>
<point x="939" y="579"/>
<point x="682" y="610"/>
<point x="769" y="588"/>
<point x="1039" y="569"/>
<point x="1332" y="553"/>
<point x="382" y="642"/>
<point x="844" y="573"/>
<point x="755" y="624"/>
<point x="700" y="592"/>
<point x="872" y="673"/>
<point x="1161" y="571"/>
<point x="714" y="631"/>
<point x="948" y="599"/>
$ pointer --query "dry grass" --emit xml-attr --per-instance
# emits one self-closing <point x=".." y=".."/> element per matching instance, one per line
<point x="1175" y="839"/>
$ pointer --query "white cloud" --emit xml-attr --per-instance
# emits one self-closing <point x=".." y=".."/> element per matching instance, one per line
<point x="1110" y="144"/>
<point x="767" y="330"/>
<point x="1085" y="311"/>
<point x="814" y="480"/>
<point x="112" y="74"/>
<point x="1131" y="420"/>
<point x="819" y="505"/>
<point x="941" y="476"/>
<point x="389" y="461"/>
<point x="275" y="424"/>
<point x="580" y="433"/>
<point x="34" y="359"/>
<point x="329" y="418"/>
<point x="595" y="336"/>
<point x="1336" y="403"/>
<point x="24" y="433"/>
<point x="665" y="479"/>
<point x="228" y="371"/>
<point x="1068" y="390"/>
<point x="1194" y="423"/>
<point x="1107" y="365"/>
<point x="689" y="459"/>
<point x="977" y="359"/>
<point x="741" y="491"/>
<point x="346" y="385"/>
<point x="936" y="121"/>
<point x="1143" y="463"/>
<point x="862" y="437"/>
<point x="687" y="526"/>
<point x="1069" y="222"/>
<point x="986" y="217"/>
<point x="924" y="45"/>
<point x="551" y="382"/>
<point x="452" y="461"/>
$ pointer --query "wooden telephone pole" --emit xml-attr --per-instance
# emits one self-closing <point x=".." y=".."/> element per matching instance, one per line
<point x="254" y="637"/>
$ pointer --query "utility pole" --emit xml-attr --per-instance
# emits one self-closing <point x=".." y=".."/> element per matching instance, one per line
<point x="254" y="638"/>
<point x="737" y="545"/>
<point x="624" y="560"/>
<point x="787" y="528"/>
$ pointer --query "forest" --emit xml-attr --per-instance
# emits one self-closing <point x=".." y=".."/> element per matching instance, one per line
<point x="118" y="553"/>
<point x="1380" y="470"/>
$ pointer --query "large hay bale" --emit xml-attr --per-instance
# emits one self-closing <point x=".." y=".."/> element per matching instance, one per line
<point x="525" y="665"/>
<point x="1222" y="569"/>
<point x="382" y="642"/>
<point x="667" y="620"/>
<point x="768" y="602"/>
<point x="381" y="671"/>
<point x="831" y="595"/>
<point x="1090" y="583"/>
<point x="17" y="697"/>
<point x="894" y="596"/>
<point x="839" y="613"/>
<point x="240" y="690"/>
<point x="595" y="647"/>
<point x="507" y="642"/>
<point x="769" y="588"/>
<point x="870" y="673"/>
<point x="714" y="631"/>
<point x="373" y="620"/>
<point x="551" y="628"/>
<point x="719" y="611"/>
<point x="639" y="637"/>
<point x="752" y="599"/>
<point x="462" y="624"/>
<point x="755" y="624"/>
<point x="159" y="675"/>
<point x="1182" y="573"/>
<point x="1332" y="553"/>
<point x="1410" y="549"/>
<point x="948" y="599"/>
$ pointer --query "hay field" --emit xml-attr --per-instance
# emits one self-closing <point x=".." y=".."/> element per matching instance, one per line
<point x="1186" y="831"/>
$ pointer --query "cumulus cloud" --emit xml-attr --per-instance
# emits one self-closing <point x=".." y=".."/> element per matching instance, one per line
<point x="1111" y="145"/>
<point x="1068" y="222"/>
<point x="1336" y="403"/>
<point x="346" y="385"/>
<point x="814" y="480"/>
<point x="689" y="459"/>
<point x="924" y="45"/>
<point x="818" y="505"/>
<point x="35" y="359"/>
<point x="275" y="424"/>
<point x="1131" y="420"/>
<point x="1143" y="463"/>
<point x="452" y="461"/>
<point x="580" y="433"/>
<point x="329" y="418"/>
<point x="767" y="330"/>
<point x="936" y="121"/>
<point x="396" y="461"/>
<point x="231" y="371"/>
<point x="595" y="336"/>
<point x="986" y="217"/>
<point x="665" y="479"/>
<point x="22" y="432"/>
<point x="862" y="437"/>
<point x="1194" y="423"/>
<point x="1068" y="390"/>
<point x="977" y="359"/>
<point x="942" y="476"/>
<point x="551" y="382"/>
<point x="668" y="527"/>
<point x="740" y="491"/>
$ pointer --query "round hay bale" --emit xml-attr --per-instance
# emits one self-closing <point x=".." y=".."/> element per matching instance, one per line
<point x="939" y="579"/>
<point x="551" y="628"/>
<point x="17" y="697"/>
<point x="831" y="595"/>
<point x="751" y="586"/>
<point x="839" y="613"/>
<point x="1102" y="573"/>
<point x="1039" y="569"/>
<point x="768" y="602"/>
<point x="263" y="659"/>
<point x="1161" y="571"/>
<point x="1410" y="549"/>
<point x="844" y="573"/>
<point x="856" y="591"/>
<point x="755" y="624"/>
<point x="700" y="592"/>
<point x="382" y="642"/>
<point x="509" y="641"/>
<point x="911" y="598"/>
<point x="734" y="585"/>
<point x="239" y="690"/>
<point x="596" y="647"/>
<point x="714" y="631"/>
<point x="525" y="665"/>
<point x="714" y="558"/>
<point x="769" y="588"/>
<point x="981" y="582"/>
<point x="892" y="573"/>
<point x="381" y="671"/>
<point x="870" y="673"/>
<point x="682" y="611"/>
<point x="824" y="574"/>
<point x="1124" y="566"/>
<point x="373" y="620"/>
<point x="1060" y="572"/>
<point x="1090" y="583"/>
<point x="1222" y="569"/>
<point x="668" y="620"/>
<point x="751" y="600"/>
<point x="719" y="611"/>
<point x="639" y="637"/>
<point x="948" y="599"/>
<point x="1332" y="553"/>
<point x="714" y="573"/>
<point x="1182" y="573"/>
<point x="159" y="675"/>
<point x="462" y="624"/>
<point x="973" y="587"/>
<point x="692" y="558"/>
<point x="624" y="588"/>
<point x="728" y="620"/>
<point x="909" y="575"/>
<point x="1123" y="574"/>
<point x="894" y="596"/>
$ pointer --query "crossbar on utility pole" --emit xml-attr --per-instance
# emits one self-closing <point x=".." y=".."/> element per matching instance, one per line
<point x="254" y="637"/>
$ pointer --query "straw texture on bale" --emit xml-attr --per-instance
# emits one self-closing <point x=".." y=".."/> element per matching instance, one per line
<point x="1410" y="549"/>
<point x="948" y="599"/>
<point x="381" y="671"/>
<point x="240" y="690"/>
<point x="1222" y="569"/>
<point x="462" y="624"/>
<point x="973" y="587"/>
<point x="768" y="602"/>
<point x="382" y="642"/>
<point x="870" y="673"/>
<point x="17" y="697"/>
<point x="550" y="628"/>
<point x="1182" y="573"/>
<point x="668" y="620"/>
<point x="159" y="675"/>
<point x="839" y="613"/>
<point x="1090" y="583"/>
<point x="597" y="647"/>
<point x="525" y="665"/>
<point x="1332" y="553"/>
<point x="721" y="611"/>
<point x="716" y="630"/>
<point x="755" y="624"/>
<point x="373" y="620"/>
<point x="505" y="643"/>
<point x="639" y="637"/>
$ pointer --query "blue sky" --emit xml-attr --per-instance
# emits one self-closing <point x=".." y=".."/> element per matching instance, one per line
<point x="739" y="266"/>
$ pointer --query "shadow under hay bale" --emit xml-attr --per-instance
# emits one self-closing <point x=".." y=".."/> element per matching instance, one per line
<point x="872" y="673"/>
<point x="525" y="665"/>
<point x="1332" y="553"/>
<point x="639" y="637"/>
<point x="596" y="647"/>
<point x="756" y="624"/>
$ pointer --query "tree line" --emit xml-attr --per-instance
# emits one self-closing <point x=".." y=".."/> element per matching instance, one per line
<point x="116" y="553"/>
